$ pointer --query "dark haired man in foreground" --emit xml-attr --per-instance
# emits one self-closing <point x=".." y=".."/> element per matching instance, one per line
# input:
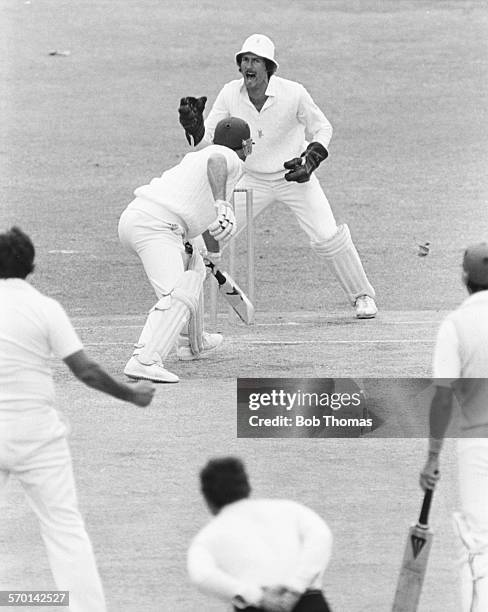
<point x="259" y="554"/>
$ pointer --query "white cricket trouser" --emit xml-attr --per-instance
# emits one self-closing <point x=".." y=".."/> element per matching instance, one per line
<point x="35" y="451"/>
<point x="473" y="483"/>
<point x="159" y="246"/>
<point x="306" y="200"/>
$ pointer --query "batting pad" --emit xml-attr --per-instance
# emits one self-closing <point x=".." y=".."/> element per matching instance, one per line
<point x="344" y="261"/>
<point x="195" y="326"/>
<point x="168" y="317"/>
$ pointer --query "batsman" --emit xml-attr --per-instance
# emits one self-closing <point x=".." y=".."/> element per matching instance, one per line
<point x="291" y="138"/>
<point x="163" y="225"/>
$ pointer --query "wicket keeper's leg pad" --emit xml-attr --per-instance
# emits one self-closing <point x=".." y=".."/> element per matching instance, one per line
<point x="345" y="263"/>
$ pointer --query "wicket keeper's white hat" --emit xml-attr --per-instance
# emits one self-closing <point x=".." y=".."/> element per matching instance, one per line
<point x="475" y="263"/>
<point x="260" y="45"/>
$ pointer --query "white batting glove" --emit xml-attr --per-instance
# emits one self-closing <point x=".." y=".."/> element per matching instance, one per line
<point x="199" y="243"/>
<point x="214" y="258"/>
<point x="224" y="225"/>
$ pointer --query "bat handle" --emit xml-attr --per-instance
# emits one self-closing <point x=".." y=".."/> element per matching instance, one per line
<point x="212" y="245"/>
<point x="424" y="512"/>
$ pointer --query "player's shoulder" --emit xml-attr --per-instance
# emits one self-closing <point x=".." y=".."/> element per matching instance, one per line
<point x="233" y="86"/>
<point x="36" y="299"/>
<point x="276" y="504"/>
<point x="213" y="150"/>
<point x="212" y="531"/>
<point x="476" y="301"/>
<point x="53" y="310"/>
<point x="286" y="84"/>
<point x="22" y="287"/>
<point x="451" y="318"/>
<point x="204" y="534"/>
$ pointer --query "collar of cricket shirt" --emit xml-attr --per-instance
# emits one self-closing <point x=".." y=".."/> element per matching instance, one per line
<point x="270" y="91"/>
<point x="15" y="281"/>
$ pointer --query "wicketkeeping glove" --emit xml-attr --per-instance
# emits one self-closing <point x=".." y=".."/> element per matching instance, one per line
<point x="191" y="118"/>
<point x="301" y="168"/>
<point x="224" y="225"/>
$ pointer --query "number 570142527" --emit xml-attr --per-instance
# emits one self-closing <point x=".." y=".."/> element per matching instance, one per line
<point x="34" y="598"/>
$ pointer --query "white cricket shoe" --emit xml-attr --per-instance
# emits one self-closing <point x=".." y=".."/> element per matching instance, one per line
<point x="210" y="343"/>
<point x="365" y="307"/>
<point x="155" y="372"/>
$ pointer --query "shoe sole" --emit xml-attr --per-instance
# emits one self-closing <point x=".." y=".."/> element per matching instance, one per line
<point x="164" y="382"/>
<point x="371" y="316"/>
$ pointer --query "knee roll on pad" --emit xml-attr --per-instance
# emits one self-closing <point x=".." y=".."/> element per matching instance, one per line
<point x="345" y="263"/>
<point x="332" y="246"/>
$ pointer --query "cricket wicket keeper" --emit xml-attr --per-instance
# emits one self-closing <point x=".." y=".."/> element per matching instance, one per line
<point x="291" y="138"/>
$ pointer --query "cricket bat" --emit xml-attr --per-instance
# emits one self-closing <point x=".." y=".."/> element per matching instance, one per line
<point x="231" y="291"/>
<point x="415" y="559"/>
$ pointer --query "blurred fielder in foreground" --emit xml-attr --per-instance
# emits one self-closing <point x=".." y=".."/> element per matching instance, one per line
<point x="258" y="554"/>
<point x="291" y="137"/>
<point x="33" y="445"/>
<point x="461" y="369"/>
<point x="186" y="201"/>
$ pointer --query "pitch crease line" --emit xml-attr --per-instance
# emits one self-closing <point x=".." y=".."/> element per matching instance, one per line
<point x="285" y="342"/>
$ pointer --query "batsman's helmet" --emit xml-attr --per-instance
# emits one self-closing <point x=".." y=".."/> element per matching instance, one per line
<point x="260" y="45"/>
<point x="232" y="132"/>
<point x="475" y="264"/>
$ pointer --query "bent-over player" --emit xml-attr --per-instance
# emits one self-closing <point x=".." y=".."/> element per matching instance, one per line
<point x="33" y="445"/>
<point x="291" y="136"/>
<point x="186" y="201"/>
<point x="258" y="554"/>
<point x="460" y="368"/>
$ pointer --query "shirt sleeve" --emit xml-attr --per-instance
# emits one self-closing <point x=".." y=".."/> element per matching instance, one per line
<point x="316" y="548"/>
<point x="63" y="339"/>
<point x="317" y="126"/>
<point x="210" y="579"/>
<point x="446" y="365"/>
<point x="219" y="110"/>
<point x="235" y="169"/>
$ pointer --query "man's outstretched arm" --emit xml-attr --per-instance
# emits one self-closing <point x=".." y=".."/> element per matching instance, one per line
<point x="93" y="375"/>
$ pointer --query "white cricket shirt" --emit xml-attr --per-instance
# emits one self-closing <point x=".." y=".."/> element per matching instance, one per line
<point x="33" y="327"/>
<point x="281" y="130"/>
<point x="254" y="543"/>
<point x="461" y="359"/>
<point x="183" y="193"/>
